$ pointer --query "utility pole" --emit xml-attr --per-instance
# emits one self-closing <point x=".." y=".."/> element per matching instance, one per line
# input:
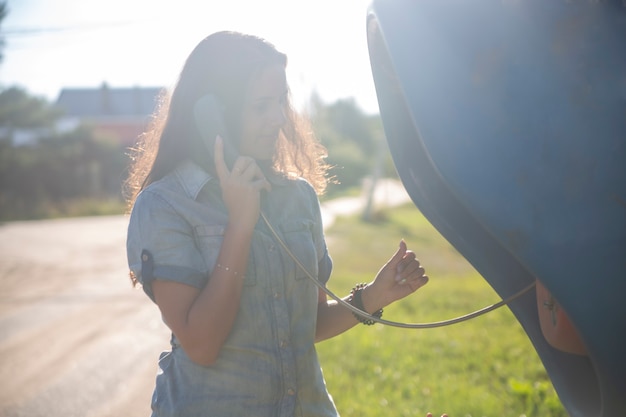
<point x="377" y="170"/>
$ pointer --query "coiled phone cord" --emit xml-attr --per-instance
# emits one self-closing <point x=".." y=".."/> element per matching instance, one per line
<point x="388" y="322"/>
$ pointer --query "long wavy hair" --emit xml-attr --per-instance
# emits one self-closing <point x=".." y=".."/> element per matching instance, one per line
<point x="223" y="64"/>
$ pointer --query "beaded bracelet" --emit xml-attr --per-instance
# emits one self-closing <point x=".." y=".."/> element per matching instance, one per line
<point x="356" y="301"/>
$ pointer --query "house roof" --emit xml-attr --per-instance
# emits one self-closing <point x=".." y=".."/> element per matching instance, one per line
<point x="106" y="102"/>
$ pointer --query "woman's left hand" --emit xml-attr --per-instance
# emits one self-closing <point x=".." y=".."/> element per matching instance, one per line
<point x="400" y="276"/>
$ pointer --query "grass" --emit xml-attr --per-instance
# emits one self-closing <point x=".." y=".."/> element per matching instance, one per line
<point x="485" y="367"/>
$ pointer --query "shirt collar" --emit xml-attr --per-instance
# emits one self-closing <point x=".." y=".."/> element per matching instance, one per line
<point x="193" y="178"/>
<point x="277" y="179"/>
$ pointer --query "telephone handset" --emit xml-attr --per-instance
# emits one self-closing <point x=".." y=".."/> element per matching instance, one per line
<point x="209" y="121"/>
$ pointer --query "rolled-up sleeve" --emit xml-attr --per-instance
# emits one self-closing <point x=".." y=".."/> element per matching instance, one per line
<point x="160" y="245"/>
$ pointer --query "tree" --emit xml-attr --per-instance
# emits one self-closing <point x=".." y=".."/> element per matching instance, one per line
<point x="56" y="172"/>
<point x="354" y="141"/>
<point x="3" y="13"/>
<point x="18" y="109"/>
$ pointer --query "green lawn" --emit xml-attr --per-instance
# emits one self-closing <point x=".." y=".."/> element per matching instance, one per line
<point x="483" y="367"/>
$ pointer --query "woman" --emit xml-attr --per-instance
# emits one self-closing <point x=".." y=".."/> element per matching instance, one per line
<point x="244" y="315"/>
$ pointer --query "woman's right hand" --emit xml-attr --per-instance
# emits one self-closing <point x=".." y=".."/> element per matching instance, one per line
<point x="241" y="187"/>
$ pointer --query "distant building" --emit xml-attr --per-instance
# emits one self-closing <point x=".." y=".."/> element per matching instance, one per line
<point x="119" y="113"/>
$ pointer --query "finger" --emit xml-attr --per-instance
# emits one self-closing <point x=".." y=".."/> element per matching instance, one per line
<point x="412" y="270"/>
<point x="406" y="266"/>
<point x="398" y="256"/>
<point x="418" y="278"/>
<point x="412" y="273"/>
<point x="248" y="169"/>
<point x="254" y="174"/>
<point x="407" y="260"/>
<point x="413" y="267"/>
<point x="409" y="256"/>
<point x="218" y="158"/>
<point x="418" y="283"/>
<point x="262" y="184"/>
<point x="245" y="167"/>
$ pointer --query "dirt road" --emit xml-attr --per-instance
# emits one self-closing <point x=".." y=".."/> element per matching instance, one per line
<point x="75" y="338"/>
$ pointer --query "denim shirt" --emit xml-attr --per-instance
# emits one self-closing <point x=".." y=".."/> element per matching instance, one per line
<point x="268" y="365"/>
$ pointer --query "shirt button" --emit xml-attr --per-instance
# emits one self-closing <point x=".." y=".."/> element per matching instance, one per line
<point x="283" y="343"/>
<point x="276" y="295"/>
<point x="291" y="392"/>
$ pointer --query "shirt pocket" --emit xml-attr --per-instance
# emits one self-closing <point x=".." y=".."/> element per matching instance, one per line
<point x="209" y="238"/>
<point x="299" y="239"/>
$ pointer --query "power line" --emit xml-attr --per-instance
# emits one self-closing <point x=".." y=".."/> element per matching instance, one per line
<point x="36" y="31"/>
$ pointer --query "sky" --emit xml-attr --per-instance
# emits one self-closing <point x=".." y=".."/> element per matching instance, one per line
<point x="56" y="44"/>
